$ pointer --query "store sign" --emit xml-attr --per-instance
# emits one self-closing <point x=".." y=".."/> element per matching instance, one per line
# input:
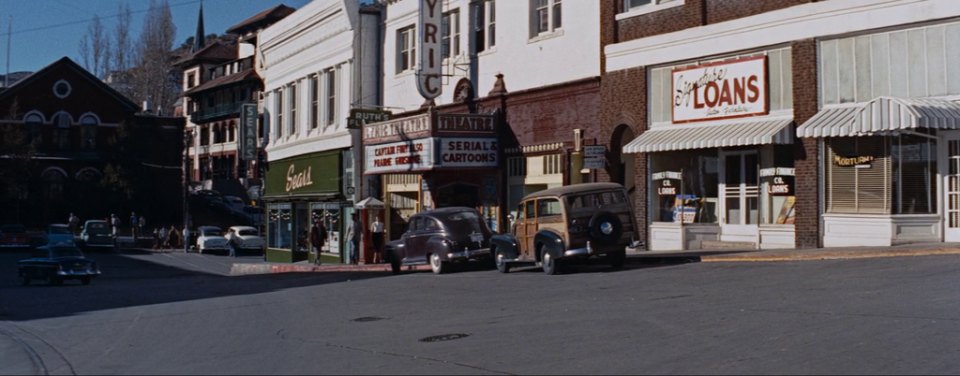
<point x="720" y="90"/>
<point x="359" y="117"/>
<point x="594" y="156"/>
<point x="403" y="156"/>
<point x="863" y="160"/>
<point x="248" y="132"/>
<point x="667" y="188"/>
<point x="780" y="180"/>
<point x="468" y="152"/>
<point x="317" y="173"/>
<point x="465" y="124"/>
<point x="430" y="69"/>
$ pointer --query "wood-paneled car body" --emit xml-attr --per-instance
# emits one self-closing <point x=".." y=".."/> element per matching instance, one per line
<point x="441" y="237"/>
<point x="56" y="263"/>
<point x="560" y="225"/>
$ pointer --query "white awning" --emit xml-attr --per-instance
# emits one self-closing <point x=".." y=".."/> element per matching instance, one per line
<point x="713" y="135"/>
<point x="884" y="114"/>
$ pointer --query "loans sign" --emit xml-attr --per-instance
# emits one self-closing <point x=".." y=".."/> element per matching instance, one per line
<point x="430" y="69"/>
<point x="720" y="90"/>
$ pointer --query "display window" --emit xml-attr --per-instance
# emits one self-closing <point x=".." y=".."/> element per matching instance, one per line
<point x="685" y="186"/>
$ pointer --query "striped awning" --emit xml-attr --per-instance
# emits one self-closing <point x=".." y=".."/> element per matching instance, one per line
<point x="713" y="135"/>
<point x="881" y="115"/>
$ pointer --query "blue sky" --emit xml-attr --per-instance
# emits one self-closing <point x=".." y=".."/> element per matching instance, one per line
<point x="43" y="31"/>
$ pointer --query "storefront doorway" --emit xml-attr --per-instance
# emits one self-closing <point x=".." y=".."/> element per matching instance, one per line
<point x="951" y="184"/>
<point x="739" y="196"/>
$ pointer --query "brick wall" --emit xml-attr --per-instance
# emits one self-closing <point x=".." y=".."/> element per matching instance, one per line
<point x="548" y="115"/>
<point x="805" y="159"/>
<point x="623" y="99"/>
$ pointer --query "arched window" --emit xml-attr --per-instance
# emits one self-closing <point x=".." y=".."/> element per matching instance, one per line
<point x="61" y="129"/>
<point x="34" y="124"/>
<point x="88" y="175"/>
<point x="88" y="131"/>
<point x="53" y="179"/>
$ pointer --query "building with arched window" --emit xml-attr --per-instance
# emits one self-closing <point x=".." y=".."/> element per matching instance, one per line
<point x="61" y="152"/>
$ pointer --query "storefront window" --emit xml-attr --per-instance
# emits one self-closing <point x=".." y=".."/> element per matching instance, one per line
<point x="881" y="175"/>
<point x="695" y="197"/>
<point x="279" y="226"/>
<point x="779" y="187"/>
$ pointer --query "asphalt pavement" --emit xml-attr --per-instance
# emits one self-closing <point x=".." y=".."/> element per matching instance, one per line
<point x="19" y="357"/>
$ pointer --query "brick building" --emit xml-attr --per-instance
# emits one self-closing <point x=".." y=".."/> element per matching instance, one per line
<point x="783" y="124"/>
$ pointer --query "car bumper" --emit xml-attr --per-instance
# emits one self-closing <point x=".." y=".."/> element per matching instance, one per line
<point x="590" y="250"/>
<point x="14" y="245"/>
<point x="78" y="273"/>
<point x="468" y="254"/>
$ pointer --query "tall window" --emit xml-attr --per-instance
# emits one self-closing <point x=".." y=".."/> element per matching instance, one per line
<point x="88" y="132"/>
<point x="450" y="34"/>
<point x="34" y="123"/>
<point x="406" y="48"/>
<point x="293" y="108"/>
<point x="280" y="109"/>
<point x="61" y="130"/>
<point x="331" y="99"/>
<point x="545" y="16"/>
<point x="486" y="25"/>
<point x="314" y="101"/>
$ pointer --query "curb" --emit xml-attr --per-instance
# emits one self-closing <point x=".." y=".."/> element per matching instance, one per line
<point x="827" y="255"/>
<point x="252" y="269"/>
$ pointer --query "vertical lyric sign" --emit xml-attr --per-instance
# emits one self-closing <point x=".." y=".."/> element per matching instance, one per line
<point x="430" y="69"/>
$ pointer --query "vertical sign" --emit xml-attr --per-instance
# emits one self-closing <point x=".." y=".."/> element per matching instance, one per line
<point x="428" y="74"/>
<point x="248" y="132"/>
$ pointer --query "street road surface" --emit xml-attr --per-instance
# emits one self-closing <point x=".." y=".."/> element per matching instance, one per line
<point x="181" y="314"/>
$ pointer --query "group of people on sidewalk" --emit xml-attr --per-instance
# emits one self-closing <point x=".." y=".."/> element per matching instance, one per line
<point x="318" y="237"/>
<point x="164" y="237"/>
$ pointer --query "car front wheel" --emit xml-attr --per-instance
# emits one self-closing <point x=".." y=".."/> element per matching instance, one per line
<point x="551" y="266"/>
<point x="436" y="264"/>
<point x="500" y="259"/>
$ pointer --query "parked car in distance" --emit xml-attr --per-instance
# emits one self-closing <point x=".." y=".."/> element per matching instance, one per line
<point x="210" y="238"/>
<point x="56" y="263"/>
<point x="14" y="236"/>
<point x="234" y="203"/>
<point x="245" y="238"/>
<point x="441" y="237"/>
<point x="96" y="234"/>
<point x="561" y="225"/>
<point x="59" y="234"/>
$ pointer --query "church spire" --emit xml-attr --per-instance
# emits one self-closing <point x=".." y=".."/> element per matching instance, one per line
<point x="199" y="39"/>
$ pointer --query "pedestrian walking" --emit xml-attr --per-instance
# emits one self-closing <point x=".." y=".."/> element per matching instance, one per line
<point x="141" y="224"/>
<point x="74" y="222"/>
<point x="318" y="236"/>
<point x="156" y="238"/>
<point x="114" y="223"/>
<point x="187" y="243"/>
<point x="164" y="237"/>
<point x="133" y="225"/>
<point x="376" y="235"/>
<point x="173" y="240"/>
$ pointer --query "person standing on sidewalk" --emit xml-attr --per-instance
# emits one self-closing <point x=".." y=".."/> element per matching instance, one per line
<point x="376" y="234"/>
<point x="164" y="237"/>
<point x="133" y="225"/>
<point x="74" y="222"/>
<point x="354" y="232"/>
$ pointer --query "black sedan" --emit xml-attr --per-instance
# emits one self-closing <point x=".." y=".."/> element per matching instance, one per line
<point x="442" y="237"/>
<point x="56" y="263"/>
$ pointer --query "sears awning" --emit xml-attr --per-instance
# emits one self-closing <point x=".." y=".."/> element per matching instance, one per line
<point x="882" y="115"/>
<point x="713" y="135"/>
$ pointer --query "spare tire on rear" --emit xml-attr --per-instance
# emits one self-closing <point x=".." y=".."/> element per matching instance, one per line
<point x="605" y="228"/>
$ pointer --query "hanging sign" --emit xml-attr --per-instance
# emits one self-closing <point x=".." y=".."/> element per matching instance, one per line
<point x="428" y="29"/>
<point x="720" y="90"/>
<point x="248" y="132"/>
<point x="859" y="161"/>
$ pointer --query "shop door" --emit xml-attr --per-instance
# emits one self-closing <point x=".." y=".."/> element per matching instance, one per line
<point x="951" y="188"/>
<point x="739" y="196"/>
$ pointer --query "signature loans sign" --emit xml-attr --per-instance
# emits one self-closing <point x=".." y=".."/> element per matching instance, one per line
<point x="720" y="90"/>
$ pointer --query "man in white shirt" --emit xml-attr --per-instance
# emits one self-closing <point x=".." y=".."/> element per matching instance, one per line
<point x="376" y="230"/>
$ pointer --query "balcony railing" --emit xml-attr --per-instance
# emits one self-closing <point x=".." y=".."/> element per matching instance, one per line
<point x="218" y="111"/>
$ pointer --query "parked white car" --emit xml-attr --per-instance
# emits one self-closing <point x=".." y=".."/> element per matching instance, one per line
<point x="245" y="238"/>
<point x="210" y="238"/>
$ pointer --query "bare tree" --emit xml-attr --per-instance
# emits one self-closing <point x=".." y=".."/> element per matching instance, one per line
<point x="156" y="79"/>
<point x="122" y="50"/>
<point x="95" y="48"/>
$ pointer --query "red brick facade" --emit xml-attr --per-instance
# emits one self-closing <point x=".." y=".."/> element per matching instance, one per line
<point x="805" y="161"/>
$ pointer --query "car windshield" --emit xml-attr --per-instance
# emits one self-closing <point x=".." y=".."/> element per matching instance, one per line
<point x="64" y="230"/>
<point x="247" y="232"/>
<point x="211" y="232"/>
<point x="98" y="228"/>
<point x="464" y="222"/>
<point x="65" y="252"/>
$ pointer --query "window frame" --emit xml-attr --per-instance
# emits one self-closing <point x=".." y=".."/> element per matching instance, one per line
<point x="314" y="101"/>
<point x="450" y="34"/>
<point x="330" y="95"/>
<point x="545" y="18"/>
<point x="406" y="49"/>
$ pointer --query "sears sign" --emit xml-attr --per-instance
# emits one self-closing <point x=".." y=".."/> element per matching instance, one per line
<point x="721" y="90"/>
